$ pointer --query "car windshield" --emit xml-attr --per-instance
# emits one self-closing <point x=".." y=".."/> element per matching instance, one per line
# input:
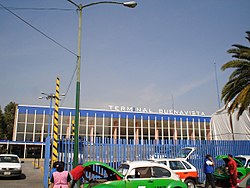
<point x="183" y="153"/>
<point x="123" y="169"/>
<point x="8" y="159"/>
<point x="241" y="159"/>
<point x="186" y="165"/>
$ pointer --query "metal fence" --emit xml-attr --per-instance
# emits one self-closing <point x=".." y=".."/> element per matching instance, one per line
<point x="114" y="152"/>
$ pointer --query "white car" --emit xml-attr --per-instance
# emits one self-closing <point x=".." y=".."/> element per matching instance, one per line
<point x="185" y="170"/>
<point x="244" y="159"/>
<point x="142" y="174"/>
<point x="185" y="153"/>
<point x="10" y="165"/>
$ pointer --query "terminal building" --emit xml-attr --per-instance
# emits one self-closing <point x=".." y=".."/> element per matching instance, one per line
<point x="117" y="122"/>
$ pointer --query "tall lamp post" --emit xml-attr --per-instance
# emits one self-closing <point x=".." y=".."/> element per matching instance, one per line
<point x="47" y="141"/>
<point x="130" y="4"/>
<point x="48" y="138"/>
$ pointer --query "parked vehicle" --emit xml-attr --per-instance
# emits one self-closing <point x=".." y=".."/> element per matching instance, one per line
<point x="245" y="182"/>
<point x="10" y="165"/>
<point x="133" y="175"/>
<point x="185" y="170"/>
<point x="244" y="159"/>
<point x="221" y="173"/>
<point x="185" y="153"/>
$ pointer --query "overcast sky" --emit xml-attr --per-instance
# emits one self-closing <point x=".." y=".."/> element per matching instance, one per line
<point x="161" y="54"/>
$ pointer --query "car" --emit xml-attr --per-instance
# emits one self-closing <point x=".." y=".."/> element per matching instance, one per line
<point x="183" y="153"/>
<point x="244" y="159"/>
<point x="186" y="153"/>
<point x="185" y="170"/>
<point x="136" y="174"/>
<point x="245" y="182"/>
<point x="10" y="165"/>
<point x="221" y="173"/>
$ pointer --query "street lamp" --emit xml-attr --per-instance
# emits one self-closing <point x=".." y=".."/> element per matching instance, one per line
<point x="130" y="4"/>
<point x="47" y="141"/>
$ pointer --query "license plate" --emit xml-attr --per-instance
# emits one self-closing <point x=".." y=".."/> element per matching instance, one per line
<point x="7" y="173"/>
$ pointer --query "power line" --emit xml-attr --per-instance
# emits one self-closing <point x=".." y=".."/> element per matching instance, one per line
<point x="53" y="40"/>
<point x="72" y="77"/>
<point x="32" y="8"/>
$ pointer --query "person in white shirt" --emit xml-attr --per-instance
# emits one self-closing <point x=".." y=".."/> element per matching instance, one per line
<point x="209" y="170"/>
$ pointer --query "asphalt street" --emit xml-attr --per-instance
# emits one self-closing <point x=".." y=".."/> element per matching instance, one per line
<point x="32" y="177"/>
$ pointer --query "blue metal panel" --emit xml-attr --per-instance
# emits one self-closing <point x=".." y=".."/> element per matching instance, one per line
<point x="99" y="114"/>
<point x="169" y="148"/>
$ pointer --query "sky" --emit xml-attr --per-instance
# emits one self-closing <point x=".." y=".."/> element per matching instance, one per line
<point x="163" y="54"/>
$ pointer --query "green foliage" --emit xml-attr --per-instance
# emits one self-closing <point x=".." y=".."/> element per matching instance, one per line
<point x="236" y="92"/>
<point x="9" y="117"/>
<point x="2" y="125"/>
<point x="7" y="121"/>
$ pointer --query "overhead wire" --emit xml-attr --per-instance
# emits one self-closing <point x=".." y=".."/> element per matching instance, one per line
<point x="32" y="8"/>
<point x="53" y="40"/>
<point x="45" y="35"/>
<point x="69" y="85"/>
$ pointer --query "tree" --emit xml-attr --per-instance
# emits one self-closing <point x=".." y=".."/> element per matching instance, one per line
<point x="236" y="92"/>
<point x="2" y="125"/>
<point x="9" y="117"/>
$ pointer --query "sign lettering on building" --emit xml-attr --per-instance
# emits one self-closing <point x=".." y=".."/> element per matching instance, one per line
<point x="160" y="111"/>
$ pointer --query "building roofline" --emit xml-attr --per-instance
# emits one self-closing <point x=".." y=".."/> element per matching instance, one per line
<point x="114" y="111"/>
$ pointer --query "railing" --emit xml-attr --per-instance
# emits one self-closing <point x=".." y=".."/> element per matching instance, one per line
<point x="114" y="152"/>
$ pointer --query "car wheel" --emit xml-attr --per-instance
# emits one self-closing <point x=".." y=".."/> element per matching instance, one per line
<point x="22" y="176"/>
<point x="190" y="183"/>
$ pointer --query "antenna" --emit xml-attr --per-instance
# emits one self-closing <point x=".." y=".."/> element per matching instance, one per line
<point x="217" y="87"/>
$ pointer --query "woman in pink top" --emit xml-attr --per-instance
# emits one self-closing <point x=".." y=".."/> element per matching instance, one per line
<point x="60" y="178"/>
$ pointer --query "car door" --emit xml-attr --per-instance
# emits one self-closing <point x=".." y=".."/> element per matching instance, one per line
<point x="140" y="178"/>
<point x="161" y="177"/>
<point x="179" y="169"/>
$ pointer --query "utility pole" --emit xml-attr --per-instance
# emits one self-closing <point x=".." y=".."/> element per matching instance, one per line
<point x="130" y="4"/>
<point x="47" y="141"/>
<point x="50" y="97"/>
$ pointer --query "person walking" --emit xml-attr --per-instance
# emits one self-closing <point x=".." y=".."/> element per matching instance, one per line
<point x="209" y="170"/>
<point x="60" y="178"/>
<point x="232" y="169"/>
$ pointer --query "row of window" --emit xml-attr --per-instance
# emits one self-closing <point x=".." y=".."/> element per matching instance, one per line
<point x="34" y="127"/>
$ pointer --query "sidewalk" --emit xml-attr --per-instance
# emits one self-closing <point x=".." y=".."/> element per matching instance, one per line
<point x="33" y="172"/>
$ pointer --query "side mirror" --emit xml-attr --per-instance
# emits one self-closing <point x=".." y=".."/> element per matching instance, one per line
<point x="22" y="161"/>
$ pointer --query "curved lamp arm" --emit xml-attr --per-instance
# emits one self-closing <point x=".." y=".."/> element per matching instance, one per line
<point x="130" y="4"/>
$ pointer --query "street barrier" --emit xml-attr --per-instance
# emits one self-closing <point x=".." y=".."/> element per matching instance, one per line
<point x="114" y="152"/>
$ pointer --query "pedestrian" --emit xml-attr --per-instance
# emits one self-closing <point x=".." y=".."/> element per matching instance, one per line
<point x="60" y="178"/>
<point x="232" y="169"/>
<point x="209" y="170"/>
<point x="80" y="172"/>
<point x="53" y="169"/>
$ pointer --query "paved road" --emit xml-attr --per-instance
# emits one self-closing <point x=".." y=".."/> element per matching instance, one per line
<point x="31" y="177"/>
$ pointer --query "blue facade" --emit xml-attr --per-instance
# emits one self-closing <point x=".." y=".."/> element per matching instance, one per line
<point x="115" y="114"/>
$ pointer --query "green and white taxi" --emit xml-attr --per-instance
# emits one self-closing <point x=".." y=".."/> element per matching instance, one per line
<point x="136" y="174"/>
